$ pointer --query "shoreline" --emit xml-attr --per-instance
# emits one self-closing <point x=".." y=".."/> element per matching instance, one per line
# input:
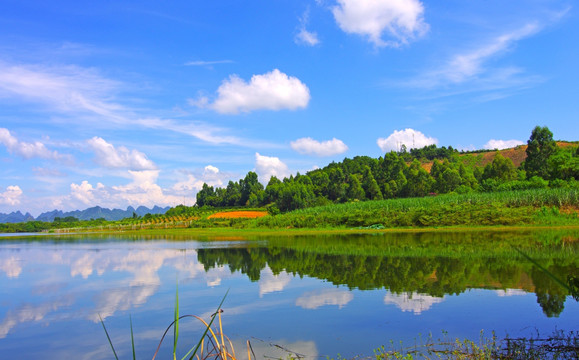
<point x="208" y="232"/>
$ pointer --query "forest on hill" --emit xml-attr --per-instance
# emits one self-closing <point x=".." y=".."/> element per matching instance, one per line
<point x="430" y="170"/>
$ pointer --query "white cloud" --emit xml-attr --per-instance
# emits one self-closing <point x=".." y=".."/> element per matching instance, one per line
<point x="142" y="190"/>
<point x="207" y="63"/>
<point x="210" y="169"/>
<point x="191" y="183"/>
<point x="67" y="88"/>
<point x="316" y="299"/>
<point x="470" y="65"/>
<point x="81" y="94"/>
<point x="313" y="147"/>
<point x="211" y="176"/>
<point x="511" y="292"/>
<point x="268" y="166"/>
<point x="409" y="137"/>
<point x="271" y="91"/>
<point x="109" y="156"/>
<point x="11" y="196"/>
<point x="501" y="144"/>
<point x="196" y="129"/>
<point x="135" y="273"/>
<point x="401" y="20"/>
<point x="268" y="282"/>
<point x="412" y="302"/>
<point x="30" y="312"/>
<point x="84" y="192"/>
<point x="305" y="37"/>
<point x="11" y="266"/>
<point x="28" y="150"/>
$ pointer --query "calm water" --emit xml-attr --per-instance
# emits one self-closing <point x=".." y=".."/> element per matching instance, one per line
<point x="316" y="296"/>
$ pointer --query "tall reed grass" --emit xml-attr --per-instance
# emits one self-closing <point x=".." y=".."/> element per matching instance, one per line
<point x="472" y="209"/>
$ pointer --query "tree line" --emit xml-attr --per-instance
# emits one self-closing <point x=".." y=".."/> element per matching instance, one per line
<point x="401" y="174"/>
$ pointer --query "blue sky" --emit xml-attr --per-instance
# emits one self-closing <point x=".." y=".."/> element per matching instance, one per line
<point x="118" y="103"/>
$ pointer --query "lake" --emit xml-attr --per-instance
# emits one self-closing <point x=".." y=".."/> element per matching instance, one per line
<point x="312" y="295"/>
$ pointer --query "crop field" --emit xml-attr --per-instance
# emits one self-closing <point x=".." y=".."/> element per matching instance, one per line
<point x="246" y="214"/>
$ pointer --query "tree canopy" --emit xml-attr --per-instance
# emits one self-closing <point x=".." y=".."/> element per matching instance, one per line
<point x="404" y="174"/>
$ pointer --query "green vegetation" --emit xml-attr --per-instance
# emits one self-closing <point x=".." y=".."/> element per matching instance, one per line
<point x="393" y="191"/>
<point x="559" y="345"/>
<point x="420" y="172"/>
<point x="427" y="263"/>
<point x="539" y="207"/>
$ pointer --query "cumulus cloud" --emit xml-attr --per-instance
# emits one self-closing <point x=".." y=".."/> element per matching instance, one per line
<point x="409" y="137"/>
<point x="11" y="266"/>
<point x="211" y="176"/>
<point x="28" y="150"/>
<point x="502" y="144"/>
<point x="316" y="299"/>
<point x="84" y="192"/>
<point x="271" y="91"/>
<point x="11" y="196"/>
<point x="401" y="20"/>
<point x="305" y="37"/>
<point x="310" y="146"/>
<point x="269" y="282"/>
<point x="511" y="292"/>
<point x="268" y="166"/>
<point x="412" y="302"/>
<point x="142" y="190"/>
<point x="191" y="183"/>
<point x="109" y="156"/>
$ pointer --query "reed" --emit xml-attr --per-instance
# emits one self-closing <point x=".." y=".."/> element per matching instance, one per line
<point x="211" y="344"/>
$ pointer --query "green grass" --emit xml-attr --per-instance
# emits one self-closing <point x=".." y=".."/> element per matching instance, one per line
<point x="537" y="207"/>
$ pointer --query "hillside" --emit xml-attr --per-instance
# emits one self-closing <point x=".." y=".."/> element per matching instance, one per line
<point x="517" y="154"/>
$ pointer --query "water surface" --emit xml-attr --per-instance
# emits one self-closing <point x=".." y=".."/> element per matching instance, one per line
<point x="315" y="296"/>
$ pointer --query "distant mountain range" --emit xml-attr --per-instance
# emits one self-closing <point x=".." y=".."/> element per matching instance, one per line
<point x="88" y="214"/>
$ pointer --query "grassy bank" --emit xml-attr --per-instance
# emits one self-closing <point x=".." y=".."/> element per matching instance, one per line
<point x="538" y="207"/>
<point x="531" y="207"/>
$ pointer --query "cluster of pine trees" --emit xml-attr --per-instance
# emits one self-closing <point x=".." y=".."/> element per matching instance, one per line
<point x="401" y="174"/>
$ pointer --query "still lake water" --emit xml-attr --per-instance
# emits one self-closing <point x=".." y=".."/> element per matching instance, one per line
<point x="315" y="296"/>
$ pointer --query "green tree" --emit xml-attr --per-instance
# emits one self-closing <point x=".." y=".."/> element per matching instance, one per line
<point x="419" y="181"/>
<point x="295" y="195"/>
<point x="337" y="186"/>
<point x="355" y="190"/>
<point x="249" y="185"/>
<point x="450" y="180"/>
<point x="321" y="181"/>
<point x="273" y="190"/>
<point x="232" y="194"/>
<point x="564" y="164"/>
<point x="540" y="147"/>
<point x="204" y="195"/>
<point x="370" y="185"/>
<point x="501" y="169"/>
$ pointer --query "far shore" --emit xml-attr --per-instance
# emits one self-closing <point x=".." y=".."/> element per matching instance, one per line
<point x="238" y="234"/>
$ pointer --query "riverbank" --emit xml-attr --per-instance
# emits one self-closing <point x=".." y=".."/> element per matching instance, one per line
<point x="540" y="207"/>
